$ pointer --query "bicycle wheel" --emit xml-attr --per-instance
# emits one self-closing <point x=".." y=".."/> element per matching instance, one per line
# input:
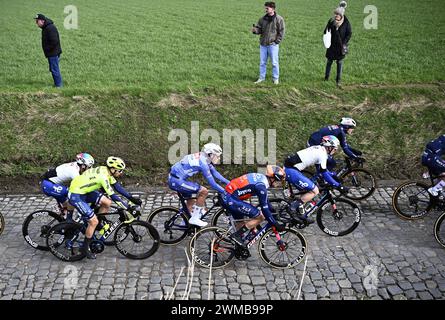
<point x="439" y="230"/>
<point x="338" y="219"/>
<point x="36" y="226"/>
<point x="221" y="219"/>
<point x="137" y="240"/>
<point x="281" y="207"/>
<point x="2" y="223"/>
<point x="411" y="200"/>
<point x="283" y="254"/>
<point x="171" y="223"/>
<point x="65" y="241"/>
<point x="361" y="183"/>
<point x="200" y="247"/>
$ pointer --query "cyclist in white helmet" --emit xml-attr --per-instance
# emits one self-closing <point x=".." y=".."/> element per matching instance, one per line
<point x="55" y="181"/>
<point x="200" y="162"/>
<point x="345" y="127"/>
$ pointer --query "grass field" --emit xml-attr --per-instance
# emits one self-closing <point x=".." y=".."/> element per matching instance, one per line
<point x="176" y="44"/>
<point x="136" y="69"/>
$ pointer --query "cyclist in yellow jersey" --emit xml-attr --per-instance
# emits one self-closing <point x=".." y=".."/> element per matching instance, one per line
<point x="85" y="188"/>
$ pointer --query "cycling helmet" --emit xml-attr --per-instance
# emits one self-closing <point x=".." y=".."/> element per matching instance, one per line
<point x="275" y="172"/>
<point x="116" y="163"/>
<point x="85" y="159"/>
<point x="348" y="123"/>
<point x="212" y="148"/>
<point x="330" y="141"/>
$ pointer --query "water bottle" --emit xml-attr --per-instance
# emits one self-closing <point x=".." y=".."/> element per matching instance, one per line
<point x="309" y="206"/>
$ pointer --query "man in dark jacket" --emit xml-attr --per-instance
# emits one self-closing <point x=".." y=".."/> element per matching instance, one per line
<point x="51" y="46"/>
<point x="340" y="35"/>
<point x="270" y="27"/>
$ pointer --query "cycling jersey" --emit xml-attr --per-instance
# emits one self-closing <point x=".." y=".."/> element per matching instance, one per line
<point x="98" y="178"/>
<point x="315" y="155"/>
<point x="62" y="174"/>
<point x="335" y="130"/>
<point x="244" y="187"/>
<point x="436" y="146"/>
<point x="431" y="157"/>
<point x="193" y="164"/>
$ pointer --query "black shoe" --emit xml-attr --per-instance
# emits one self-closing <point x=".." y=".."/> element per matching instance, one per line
<point x="307" y="220"/>
<point x="86" y="249"/>
<point x="236" y="237"/>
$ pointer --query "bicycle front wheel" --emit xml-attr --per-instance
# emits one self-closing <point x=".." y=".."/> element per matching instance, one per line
<point x="361" y="183"/>
<point x="137" y="240"/>
<point x="338" y="218"/>
<point x="439" y="230"/>
<point x="285" y="253"/>
<point x="65" y="241"/>
<point x="36" y="226"/>
<point x="171" y="223"/>
<point x="218" y="256"/>
<point x="411" y="200"/>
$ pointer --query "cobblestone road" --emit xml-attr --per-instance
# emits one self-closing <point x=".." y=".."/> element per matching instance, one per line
<point x="384" y="258"/>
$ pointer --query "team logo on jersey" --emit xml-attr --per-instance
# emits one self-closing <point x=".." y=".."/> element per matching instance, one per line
<point x="58" y="189"/>
<point x="303" y="184"/>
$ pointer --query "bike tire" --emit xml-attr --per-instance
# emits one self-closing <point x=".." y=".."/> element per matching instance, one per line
<point x="337" y="214"/>
<point x="220" y="219"/>
<point x="200" y="248"/>
<point x="137" y="231"/>
<point x="39" y="242"/>
<point x="2" y="223"/>
<point x="361" y="182"/>
<point x="439" y="230"/>
<point x="268" y="243"/>
<point x="171" y="232"/>
<point x="64" y="241"/>
<point x="406" y="205"/>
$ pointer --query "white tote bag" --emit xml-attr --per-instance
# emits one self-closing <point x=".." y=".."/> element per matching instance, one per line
<point x="327" y="39"/>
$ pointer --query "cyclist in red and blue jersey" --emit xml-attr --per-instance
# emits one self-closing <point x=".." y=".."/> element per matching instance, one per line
<point x="432" y="158"/>
<point x="315" y="155"/>
<point x="244" y="187"/>
<point x="345" y="127"/>
<point x="200" y="162"/>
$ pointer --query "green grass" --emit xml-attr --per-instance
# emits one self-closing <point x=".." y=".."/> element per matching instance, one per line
<point x="180" y="44"/>
<point x="40" y="130"/>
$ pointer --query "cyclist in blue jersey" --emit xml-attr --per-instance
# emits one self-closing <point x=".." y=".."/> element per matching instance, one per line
<point x="432" y="158"/>
<point x="201" y="162"/>
<point x="346" y="126"/>
<point x="244" y="187"/>
<point x="314" y="155"/>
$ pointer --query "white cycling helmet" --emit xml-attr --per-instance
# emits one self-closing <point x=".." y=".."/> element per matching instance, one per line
<point x="348" y="123"/>
<point x="212" y="148"/>
<point x="85" y="159"/>
<point x="330" y="141"/>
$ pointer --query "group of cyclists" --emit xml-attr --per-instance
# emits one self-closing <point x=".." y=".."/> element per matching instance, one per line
<point x="98" y="186"/>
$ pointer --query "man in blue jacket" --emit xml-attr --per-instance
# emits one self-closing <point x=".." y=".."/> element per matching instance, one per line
<point x="51" y="46"/>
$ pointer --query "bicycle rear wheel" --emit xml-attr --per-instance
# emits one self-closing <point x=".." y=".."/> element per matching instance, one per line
<point x="361" y="183"/>
<point x="65" y="241"/>
<point x="36" y="226"/>
<point x="283" y="254"/>
<point x="439" y="230"/>
<point x="411" y="200"/>
<point x="2" y="223"/>
<point x="137" y="240"/>
<point x="221" y="219"/>
<point x="200" y="247"/>
<point x="172" y="224"/>
<point x="339" y="218"/>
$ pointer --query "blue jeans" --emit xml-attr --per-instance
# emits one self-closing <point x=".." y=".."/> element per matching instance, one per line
<point x="272" y="53"/>
<point x="55" y="71"/>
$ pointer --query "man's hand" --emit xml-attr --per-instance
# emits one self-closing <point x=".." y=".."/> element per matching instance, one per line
<point x="343" y="189"/>
<point x="136" y="201"/>
<point x="133" y="210"/>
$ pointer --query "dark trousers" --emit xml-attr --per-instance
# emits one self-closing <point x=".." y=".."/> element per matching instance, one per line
<point x="55" y="71"/>
<point x="339" y="69"/>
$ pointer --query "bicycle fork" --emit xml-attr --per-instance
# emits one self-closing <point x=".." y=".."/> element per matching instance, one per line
<point x="280" y="243"/>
